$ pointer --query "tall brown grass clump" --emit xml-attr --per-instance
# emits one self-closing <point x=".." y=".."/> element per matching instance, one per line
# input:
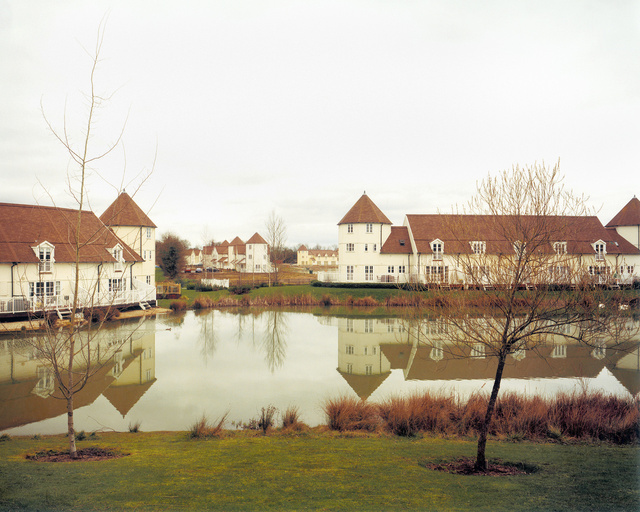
<point x="345" y="413"/>
<point x="597" y="416"/>
<point x="427" y="412"/>
<point x="366" y="302"/>
<point x="202" y="302"/>
<point x="202" y="429"/>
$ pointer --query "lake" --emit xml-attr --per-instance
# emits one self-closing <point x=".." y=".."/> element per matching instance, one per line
<point x="173" y="369"/>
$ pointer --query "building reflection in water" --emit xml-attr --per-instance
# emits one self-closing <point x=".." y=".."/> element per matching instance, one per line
<point x="28" y="391"/>
<point x="369" y="348"/>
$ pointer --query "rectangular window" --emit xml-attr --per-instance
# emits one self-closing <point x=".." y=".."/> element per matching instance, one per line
<point x="349" y="272"/>
<point x="369" y="228"/>
<point x="375" y="247"/>
<point x="148" y="233"/>
<point x="368" y="325"/>
<point x="436" y="247"/>
<point x="44" y="288"/>
<point x="560" y="248"/>
<point x="366" y="247"/>
<point x="350" y="247"/>
<point x="401" y="269"/>
<point x="349" y="368"/>
<point x="115" y="285"/>
<point x="149" y="280"/>
<point x="349" y="228"/>
<point x="349" y="350"/>
<point x="368" y="272"/>
<point x="479" y="247"/>
<point x="368" y="369"/>
<point x="349" y="324"/>
<point x="366" y="351"/>
<point x="45" y="259"/>
<point x="600" y="251"/>
<point x="390" y="269"/>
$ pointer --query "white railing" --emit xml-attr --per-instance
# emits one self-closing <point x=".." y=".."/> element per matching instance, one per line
<point x="328" y="277"/>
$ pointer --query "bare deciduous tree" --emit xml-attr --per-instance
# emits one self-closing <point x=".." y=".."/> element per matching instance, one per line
<point x="74" y="354"/>
<point x="276" y="238"/>
<point x="509" y="249"/>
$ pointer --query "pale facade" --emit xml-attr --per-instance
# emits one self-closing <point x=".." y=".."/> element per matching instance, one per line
<point x="316" y="257"/>
<point x="251" y="256"/>
<point x="38" y="257"/>
<point x="424" y="250"/>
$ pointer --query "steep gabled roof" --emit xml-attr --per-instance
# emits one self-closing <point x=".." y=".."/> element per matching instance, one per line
<point x="25" y="226"/>
<point x="237" y="241"/>
<point x="364" y="211"/>
<point x="628" y="216"/>
<point x="125" y="212"/>
<point x="256" y="239"/>
<point x="302" y="248"/>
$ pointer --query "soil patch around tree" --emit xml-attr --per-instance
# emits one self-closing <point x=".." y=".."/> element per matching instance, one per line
<point x="84" y="454"/>
<point x="466" y="466"/>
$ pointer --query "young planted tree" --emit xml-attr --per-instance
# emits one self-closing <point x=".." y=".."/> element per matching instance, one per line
<point x="276" y="239"/>
<point x="74" y="353"/>
<point x="517" y="252"/>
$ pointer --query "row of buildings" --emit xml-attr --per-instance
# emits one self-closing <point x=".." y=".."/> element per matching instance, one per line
<point x="40" y="246"/>
<point x="252" y="256"/>
<point x="463" y="250"/>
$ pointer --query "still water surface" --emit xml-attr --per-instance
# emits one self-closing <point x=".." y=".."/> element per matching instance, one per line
<point x="178" y="367"/>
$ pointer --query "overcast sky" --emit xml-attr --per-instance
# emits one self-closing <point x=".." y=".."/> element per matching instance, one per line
<point x="301" y="106"/>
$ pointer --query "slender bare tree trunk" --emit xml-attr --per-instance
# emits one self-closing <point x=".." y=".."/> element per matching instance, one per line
<point x="481" y="460"/>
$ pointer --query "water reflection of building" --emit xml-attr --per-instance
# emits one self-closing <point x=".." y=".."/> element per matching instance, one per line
<point x="28" y="390"/>
<point x="369" y="348"/>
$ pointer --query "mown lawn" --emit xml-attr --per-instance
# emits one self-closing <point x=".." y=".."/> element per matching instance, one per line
<point x="313" y="471"/>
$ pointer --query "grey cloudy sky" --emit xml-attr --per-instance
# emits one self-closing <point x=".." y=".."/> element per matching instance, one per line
<point x="300" y="106"/>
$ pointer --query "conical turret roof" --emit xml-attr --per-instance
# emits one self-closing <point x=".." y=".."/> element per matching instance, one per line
<point x="628" y="216"/>
<point x="125" y="212"/>
<point x="364" y="211"/>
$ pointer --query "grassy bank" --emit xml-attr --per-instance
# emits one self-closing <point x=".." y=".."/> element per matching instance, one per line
<point x="314" y="471"/>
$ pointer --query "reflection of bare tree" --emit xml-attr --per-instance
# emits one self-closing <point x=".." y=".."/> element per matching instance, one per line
<point x="274" y="341"/>
<point x="207" y="337"/>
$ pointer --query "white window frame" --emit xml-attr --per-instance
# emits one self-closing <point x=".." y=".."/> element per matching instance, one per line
<point x="560" y="248"/>
<point x="369" y="227"/>
<point x="148" y="233"/>
<point x="437" y="246"/>
<point x="349" y="228"/>
<point x="478" y="247"/>
<point x="350" y="247"/>
<point x="600" y="248"/>
<point x="349" y="272"/>
<point x="116" y="252"/>
<point x="368" y="272"/>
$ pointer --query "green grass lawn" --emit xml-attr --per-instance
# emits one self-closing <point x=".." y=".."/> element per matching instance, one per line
<point x="313" y="471"/>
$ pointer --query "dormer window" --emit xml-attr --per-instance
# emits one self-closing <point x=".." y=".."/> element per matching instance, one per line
<point x="437" y="246"/>
<point x="44" y="251"/>
<point x="117" y="255"/>
<point x="601" y="249"/>
<point x="478" y="247"/>
<point x="402" y="243"/>
<point x="560" y="248"/>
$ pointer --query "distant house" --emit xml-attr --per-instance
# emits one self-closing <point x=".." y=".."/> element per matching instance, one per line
<point x="251" y="256"/>
<point x="424" y="249"/>
<point x="316" y="257"/>
<point x="38" y="255"/>
<point x="194" y="258"/>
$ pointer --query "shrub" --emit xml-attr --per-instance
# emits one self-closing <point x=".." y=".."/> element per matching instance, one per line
<point x="267" y="418"/>
<point x="202" y="302"/>
<point x="178" y="305"/>
<point x="134" y="428"/>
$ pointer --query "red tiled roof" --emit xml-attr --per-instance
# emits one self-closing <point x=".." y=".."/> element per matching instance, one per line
<point x="302" y="248"/>
<point x="364" y="211"/>
<point x="397" y="242"/>
<point x="457" y="231"/>
<point x="25" y="226"/>
<point x="628" y="216"/>
<point x="125" y="212"/>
